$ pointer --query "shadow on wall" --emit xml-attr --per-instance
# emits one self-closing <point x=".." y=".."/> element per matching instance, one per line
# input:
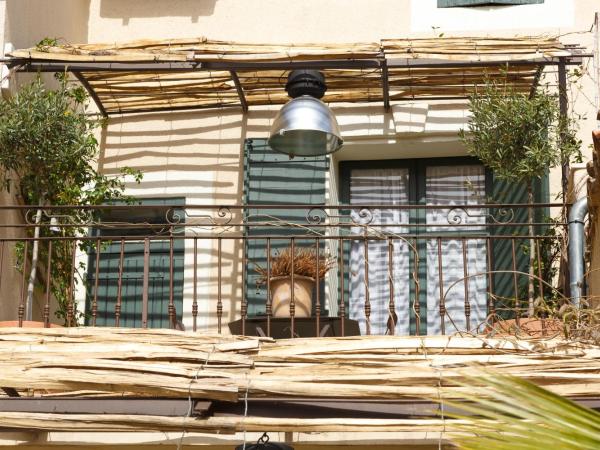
<point x="30" y="21"/>
<point x="197" y="155"/>
<point x="131" y="9"/>
<point x="184" y="152"/>
<point x="410" y="116"/>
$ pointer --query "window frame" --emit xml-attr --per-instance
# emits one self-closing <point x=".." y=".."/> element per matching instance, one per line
<point x="155" y="215"/>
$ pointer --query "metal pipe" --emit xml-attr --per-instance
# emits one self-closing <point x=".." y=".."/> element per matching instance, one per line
<point x="576" y="248"/>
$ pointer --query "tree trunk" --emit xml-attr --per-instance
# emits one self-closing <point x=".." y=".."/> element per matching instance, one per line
<point x="34" y="261"/>
<point x="530" y="281"/>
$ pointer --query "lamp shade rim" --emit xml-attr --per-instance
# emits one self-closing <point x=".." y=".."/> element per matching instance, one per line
<point x="305" y="126"/>
<point x="264" y="446"/>
<point x="305" y="152"/>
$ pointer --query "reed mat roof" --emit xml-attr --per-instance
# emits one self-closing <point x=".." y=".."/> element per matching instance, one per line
<point x="179" y="74"/>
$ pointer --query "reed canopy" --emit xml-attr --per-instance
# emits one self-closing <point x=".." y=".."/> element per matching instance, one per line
<point x="179" y="74"/>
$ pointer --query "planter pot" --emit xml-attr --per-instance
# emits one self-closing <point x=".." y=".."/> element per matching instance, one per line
<point x="529" y="328"/>
<point x="26" y="324"/>
<point x="281" y="296"/>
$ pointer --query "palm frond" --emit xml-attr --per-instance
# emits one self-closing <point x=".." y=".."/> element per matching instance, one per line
<point x="504" y="412"/>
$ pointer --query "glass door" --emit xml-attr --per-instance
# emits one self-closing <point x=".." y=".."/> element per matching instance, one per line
<point x="381" y="288"/>
<point x="380" y="186"/>
<point x="456" y="260"/>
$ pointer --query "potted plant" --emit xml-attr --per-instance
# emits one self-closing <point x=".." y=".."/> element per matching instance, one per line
<point x="306" y="273"/>
<point x="519" y="136"/>
<point x="48" y="131"/>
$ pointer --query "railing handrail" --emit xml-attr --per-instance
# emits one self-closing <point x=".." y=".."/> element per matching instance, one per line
<point x="287" y="206"/>
<point x="488" y="253"/>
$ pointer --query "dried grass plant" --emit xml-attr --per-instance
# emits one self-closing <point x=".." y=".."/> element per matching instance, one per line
<point x="304" y="261"/>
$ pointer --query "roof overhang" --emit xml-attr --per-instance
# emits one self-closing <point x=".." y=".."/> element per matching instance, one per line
<point x="147" y="76"/>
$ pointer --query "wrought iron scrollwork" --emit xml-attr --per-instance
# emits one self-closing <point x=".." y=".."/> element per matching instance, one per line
<point x="316" y="216"/>
<point x="179" y="215"/>
<point x="504" y="216"/>
<point x="224" y="213"/>
<point x="362" y="217"/>
<point x="175" y="216"/>
<point x="57" y="218"/>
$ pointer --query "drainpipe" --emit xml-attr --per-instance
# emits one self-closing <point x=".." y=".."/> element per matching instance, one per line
<point x="576" y="247"/>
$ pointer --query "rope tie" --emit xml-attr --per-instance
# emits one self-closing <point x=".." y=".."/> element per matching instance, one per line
<point x="190" y="402"/>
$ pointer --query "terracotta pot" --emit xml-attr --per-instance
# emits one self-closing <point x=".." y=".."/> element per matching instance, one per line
<point x="26" y="324"/>
<point x="281" y="294"/>
<point x="529" y="328"/>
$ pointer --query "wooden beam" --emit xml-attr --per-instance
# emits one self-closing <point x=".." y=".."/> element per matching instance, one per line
<point x="111" y="66"/>
<point x="563" y="101"/>
<point x="169" y="108"/>
<point x="444" y="63"/>
<point x="29" y="65"/>
<point x="240" y="90"/>
<point x="92" y="93"/>
<point x="153" y="406"/>
<point x="385" y="85"/>
<point x="536" y="81"/>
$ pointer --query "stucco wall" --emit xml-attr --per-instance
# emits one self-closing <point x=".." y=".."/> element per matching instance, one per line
<point x="417" y="440"/>
<point x="199" y="154"/>
<point x="274" y="21"/>
<point x="29" y="21"/>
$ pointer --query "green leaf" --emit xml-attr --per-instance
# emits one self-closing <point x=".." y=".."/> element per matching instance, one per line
<point x="47" y="144"/>
<point x="516" y="135"/>
<point x="504" y="412"/>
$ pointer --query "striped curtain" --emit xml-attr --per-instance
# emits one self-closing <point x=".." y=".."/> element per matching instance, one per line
<point x="448" y="186"/>
<point x="378" y="187"/>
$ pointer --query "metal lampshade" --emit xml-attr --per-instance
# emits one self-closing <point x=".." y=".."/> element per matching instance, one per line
<point x="305" y="126"/>
<point x="264" y="444"/>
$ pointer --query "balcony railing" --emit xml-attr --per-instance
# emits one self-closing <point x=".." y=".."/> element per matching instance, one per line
<point x="394" y="269"/>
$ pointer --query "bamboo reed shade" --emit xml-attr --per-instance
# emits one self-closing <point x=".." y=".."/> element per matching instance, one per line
<point x="354" y="72"/>
<point x="118" y="362"/>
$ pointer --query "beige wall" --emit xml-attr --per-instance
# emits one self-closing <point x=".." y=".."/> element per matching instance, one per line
<point x="199" y="154"/>
<point x="273" y="21"/>
<point x="29" y="21"/>
<point x="249" y="20"/>
<point x="10" y="280"/>
<point x="417" y="440"/>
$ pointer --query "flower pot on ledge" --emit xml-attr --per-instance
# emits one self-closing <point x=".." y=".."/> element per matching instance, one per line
<point x="529" y="328"/>
<point x="281" y="295"/>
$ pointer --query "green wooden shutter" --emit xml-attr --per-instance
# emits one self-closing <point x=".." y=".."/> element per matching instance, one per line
<point x="466" y="3"/>
<point x="271" y="178"/>
<point x="502" y="257"/>
<point x="133" y="274"/>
